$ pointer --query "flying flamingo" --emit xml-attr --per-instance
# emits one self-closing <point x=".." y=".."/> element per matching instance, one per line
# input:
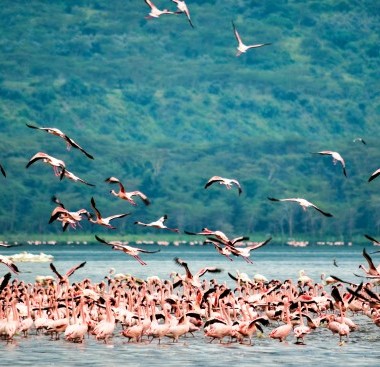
<point x="11" y="265"/>
<point x="304" y="204"/>
<point x="70" y="142"/>
<point x="103" y="221"/>
<point x="3" y="171"/>
<point x="228" y="182"/>
<point x="122" y="194"/>
<point x="242" y="48"/>
<point x="155" y="12"/>
<point x="194" y="280"/>
<point x="129" y="250"/>
<point x="359" y="139"/>
<point x="65" y="278"/>
<point x="75" y="178"/>
<point x="374" y="240"/>
<point x="372" y="270"/>
<point x="336" y="158"/>
<point x="158" y="224"/>
<point x="374" y="175"/>
<point x="54" y="162"/>
<point x="182" y="7"/>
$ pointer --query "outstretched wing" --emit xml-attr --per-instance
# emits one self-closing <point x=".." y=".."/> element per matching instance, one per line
<point x="52" y="267"/>
<point x="115" y="180"/>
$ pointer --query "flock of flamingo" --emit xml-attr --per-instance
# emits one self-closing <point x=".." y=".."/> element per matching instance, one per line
<point x="152" y="309"/>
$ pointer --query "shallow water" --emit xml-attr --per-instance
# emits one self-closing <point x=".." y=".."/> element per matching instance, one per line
<point x="274" y="261"/>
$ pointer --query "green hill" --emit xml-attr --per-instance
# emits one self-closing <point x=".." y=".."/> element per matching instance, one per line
<point x="164" y="107"/>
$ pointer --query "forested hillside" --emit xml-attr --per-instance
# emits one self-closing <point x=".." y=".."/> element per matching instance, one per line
<point x="163" y="107"/>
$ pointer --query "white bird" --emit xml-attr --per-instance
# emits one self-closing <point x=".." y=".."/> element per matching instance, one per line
<point x="129" y="250"/>
<point x="158" y="224"/>
<point x="228" y="182"/>
<point x="336" y="158"/>
<point x="155" y="12"/>
<point x="374" y="175"/>
<point x="242" y="48"/>
<point x="304" y="204"/>
<point x="182" y="7"/>
<point x="70" y="142"/>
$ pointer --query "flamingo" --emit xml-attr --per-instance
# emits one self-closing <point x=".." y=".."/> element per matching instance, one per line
<point x="70" y="142"/>
<point x="182" y="7"/>
<point x="129" y="250"/>
<point x="336" y="158"/>
<point x="301" y="330"/>
<point x="3" y="171"/>
<point x="76" y="331"/>
<point x="374" y="175"/>
<point x="282" y="332"/>
<point x="75" y="178"/>
<point x="158" y="224"/>
<point x="54" y="162"/>
<point x="242" y="48"/>
<point x="155" y="12"/>
<point x="245" y="252"/>
<point x="101" y="220"/>
<point x="372" y="270"/>
<point x="65" y="278"/>
<point x="359" y="139"/>
<point x="122" y="194"/>
<point x="11" y="265"/>
<point x="225" y="251"/>
<point x="304" y="204"/>
<point x="228" y="182"/>
<point x="105" y="328"/>
<point x="194" y="280"/>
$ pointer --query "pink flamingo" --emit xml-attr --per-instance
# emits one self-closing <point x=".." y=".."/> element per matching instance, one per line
<point x="129" y="250"/>
<point x="122" y="194"/>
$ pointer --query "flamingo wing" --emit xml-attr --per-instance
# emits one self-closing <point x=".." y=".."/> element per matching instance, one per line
<point x="52" y="267"/>
<point x="75" y="268"/>
<point x="3" y="171"/>
<point x="5" y="281"/>
<point x="374" y="175"/>
<point x="115" y="180"/>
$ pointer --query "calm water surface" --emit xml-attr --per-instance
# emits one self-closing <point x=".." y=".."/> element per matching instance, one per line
<point x="273" y="261"/>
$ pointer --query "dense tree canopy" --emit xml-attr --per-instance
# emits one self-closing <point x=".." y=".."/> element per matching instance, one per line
<point x="164" y="107"/>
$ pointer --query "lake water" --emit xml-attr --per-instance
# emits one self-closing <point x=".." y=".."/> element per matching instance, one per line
<point x="274" y="261"/>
